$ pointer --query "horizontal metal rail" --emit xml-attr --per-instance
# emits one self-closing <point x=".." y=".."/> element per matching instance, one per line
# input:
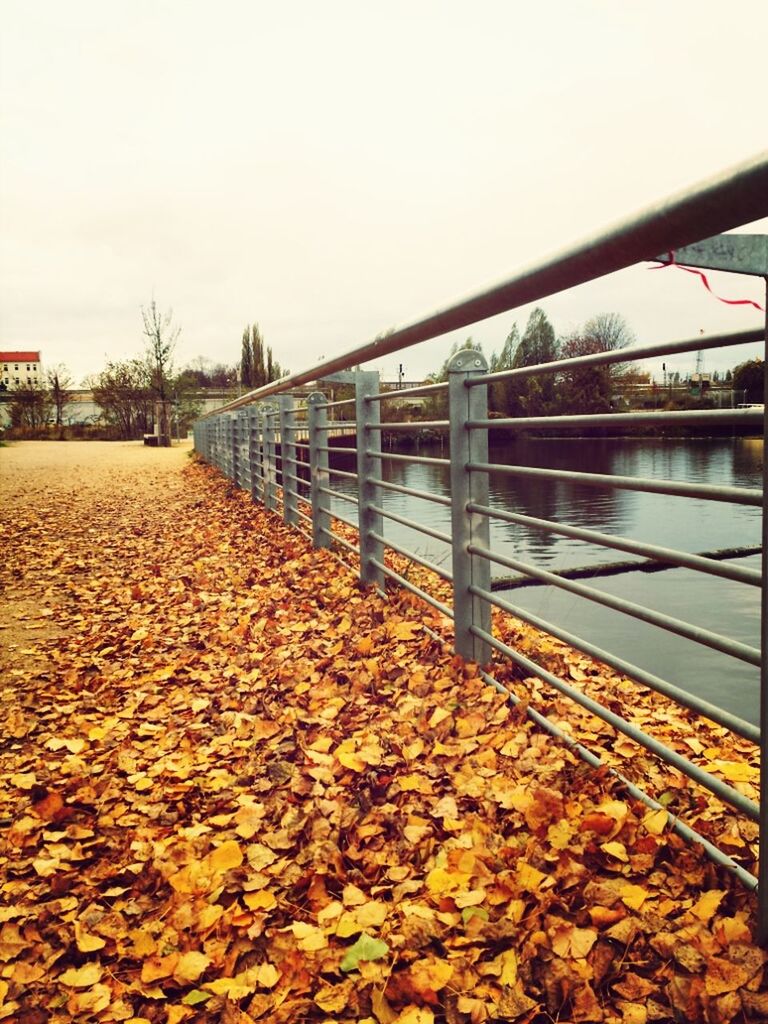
<point x="338" y="494"/>
<point x="728" y="200"/>
<point x="416" y="460"/>
<point x="341" y="519"/>
<point x="413" y="525"/>
<point x="413" y="589"/>
<point x="683" y="697"/>
<point x="342" y="473"/>
<point x="623" y="355"/>
<point x="348" y="425"/>
<point x="619" y="420"/>
<point x="335" y="405"/>
<point x="336" y="449"/>
<point x="699" y="635"/>
<point x="438" y="499"/>
<point x="747" y="879"/>
<point x="297" y="479"/>
<point x="699" y="563"/>
<point x="422" y="389"/>
<point x="721" y="789"/>
<point x="416" y="426"/>
<point x="300" y="444"/>
<point x="340" y="540"/>
<point x="707" y="492"/>
<point x="413" y="557"/>
<point x="306" y="518"/>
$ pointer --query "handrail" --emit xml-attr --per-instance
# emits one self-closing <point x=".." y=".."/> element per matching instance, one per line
<point x="728" y="200"/>
<point x="258" y="452"/>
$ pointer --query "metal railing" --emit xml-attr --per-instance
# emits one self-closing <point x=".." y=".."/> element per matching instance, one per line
<point x="277" y="447"/>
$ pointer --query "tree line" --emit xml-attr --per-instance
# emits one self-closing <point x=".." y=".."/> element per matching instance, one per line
<point x="126" y="390"/>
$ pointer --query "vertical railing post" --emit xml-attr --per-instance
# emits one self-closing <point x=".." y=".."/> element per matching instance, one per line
<point x="762" y="892"/>
<point x="288" y="459"/>
<point x="467" y="528"/>
<point x="259" y="452"/>
<point x="368" y="467"/>
<point x="230" y="446"/>
<point x="268" y="459"/>
<point x="317" y="418"/>
<point x="236" y="447"/>
<point x="252" y="451"/>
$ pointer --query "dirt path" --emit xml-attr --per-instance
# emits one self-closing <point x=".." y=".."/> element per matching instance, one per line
<point x="235" y="787"/>
<point x="43" y="483"/>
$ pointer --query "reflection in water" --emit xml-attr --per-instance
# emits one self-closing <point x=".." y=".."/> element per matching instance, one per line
<point x="690" y="525"/>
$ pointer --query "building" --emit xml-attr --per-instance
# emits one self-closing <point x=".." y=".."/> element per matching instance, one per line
<point x="20" y="370"/>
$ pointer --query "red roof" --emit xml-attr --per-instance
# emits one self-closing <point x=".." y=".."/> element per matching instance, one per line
<point x="19" y="357"/>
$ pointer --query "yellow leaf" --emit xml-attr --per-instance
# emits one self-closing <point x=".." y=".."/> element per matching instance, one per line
<point x="144" y="944"/>
<point x="442" y="882"/>
<point x="24" y="780"/>
<point x="190" y="966"/>
<point x="250" y="819"/>
<point x="263" y="900"/>
<point x="347" y="925"/>
<point x="430" y="975"/>
<point x="633" y="896"/>
<point x="415" y="1015"/>
<point x="508" y="974"/>
<point x="82" y="977"/>
<point x="529" y="877"/>
<point x="228" y="855"/>
<point x="351" y="760"/>
<point x="233" y="988"/>
<point x="705" y="907"/>
<point x="656" y="821"/>
<point x="308" y="937"/>
<point x="438" y="715"/>
<point x="267" y="975"/>
<point x="616" y="849"/>
<point x="473" y="898"/>
<point x="405" y="630"/>
<point x="87" y="943"/>
<point x="736" y="771"/>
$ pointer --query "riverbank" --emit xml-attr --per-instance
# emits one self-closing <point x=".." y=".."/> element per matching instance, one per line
<point x="239" y="788"/>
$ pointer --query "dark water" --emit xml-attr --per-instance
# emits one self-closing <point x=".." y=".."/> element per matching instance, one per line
<point x="729" y="608"/>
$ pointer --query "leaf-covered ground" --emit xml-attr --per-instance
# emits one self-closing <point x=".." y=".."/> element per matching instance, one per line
<point x="236" y="787"/>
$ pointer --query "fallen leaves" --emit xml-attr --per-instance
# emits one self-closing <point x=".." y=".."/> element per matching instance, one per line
<point x="241" y="789"/>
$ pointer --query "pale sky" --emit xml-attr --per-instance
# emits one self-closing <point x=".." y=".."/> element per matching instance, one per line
<point x="334" y="169"/>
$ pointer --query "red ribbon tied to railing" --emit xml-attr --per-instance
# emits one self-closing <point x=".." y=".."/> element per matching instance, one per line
<point x="672" y="262"/>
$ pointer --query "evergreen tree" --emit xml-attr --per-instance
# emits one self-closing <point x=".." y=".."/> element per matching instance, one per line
<point x="259" y="365"/>
<point x="504" y="397"/>
<point x="535" y="395"/>
<point x="246" y="361"/>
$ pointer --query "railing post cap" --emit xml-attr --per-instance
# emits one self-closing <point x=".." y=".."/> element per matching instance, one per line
<point x="316" y="397"/>
<point x="467" y="360"/>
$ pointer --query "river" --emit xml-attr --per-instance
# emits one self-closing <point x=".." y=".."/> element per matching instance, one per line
<point x="724" y="606"/>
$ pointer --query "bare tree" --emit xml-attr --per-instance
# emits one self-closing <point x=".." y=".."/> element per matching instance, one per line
<point x="60" y="392"/>
<point x="161" y="340"/>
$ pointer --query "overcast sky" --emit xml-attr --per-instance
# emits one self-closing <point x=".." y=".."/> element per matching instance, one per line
<point x="334" y="169"/>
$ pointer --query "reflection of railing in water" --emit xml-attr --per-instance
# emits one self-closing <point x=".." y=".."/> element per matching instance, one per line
<point x="242" y="441"/>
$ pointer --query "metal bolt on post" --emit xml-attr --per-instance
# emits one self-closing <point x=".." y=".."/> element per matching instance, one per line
<point x="468" y="528"/>
<point x="368" y="467"/>
<point x="317" y="418"/>
<point x="288" y="459"/>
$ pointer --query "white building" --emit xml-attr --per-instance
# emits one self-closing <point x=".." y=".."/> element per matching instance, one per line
<point x="20" y="369"/>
